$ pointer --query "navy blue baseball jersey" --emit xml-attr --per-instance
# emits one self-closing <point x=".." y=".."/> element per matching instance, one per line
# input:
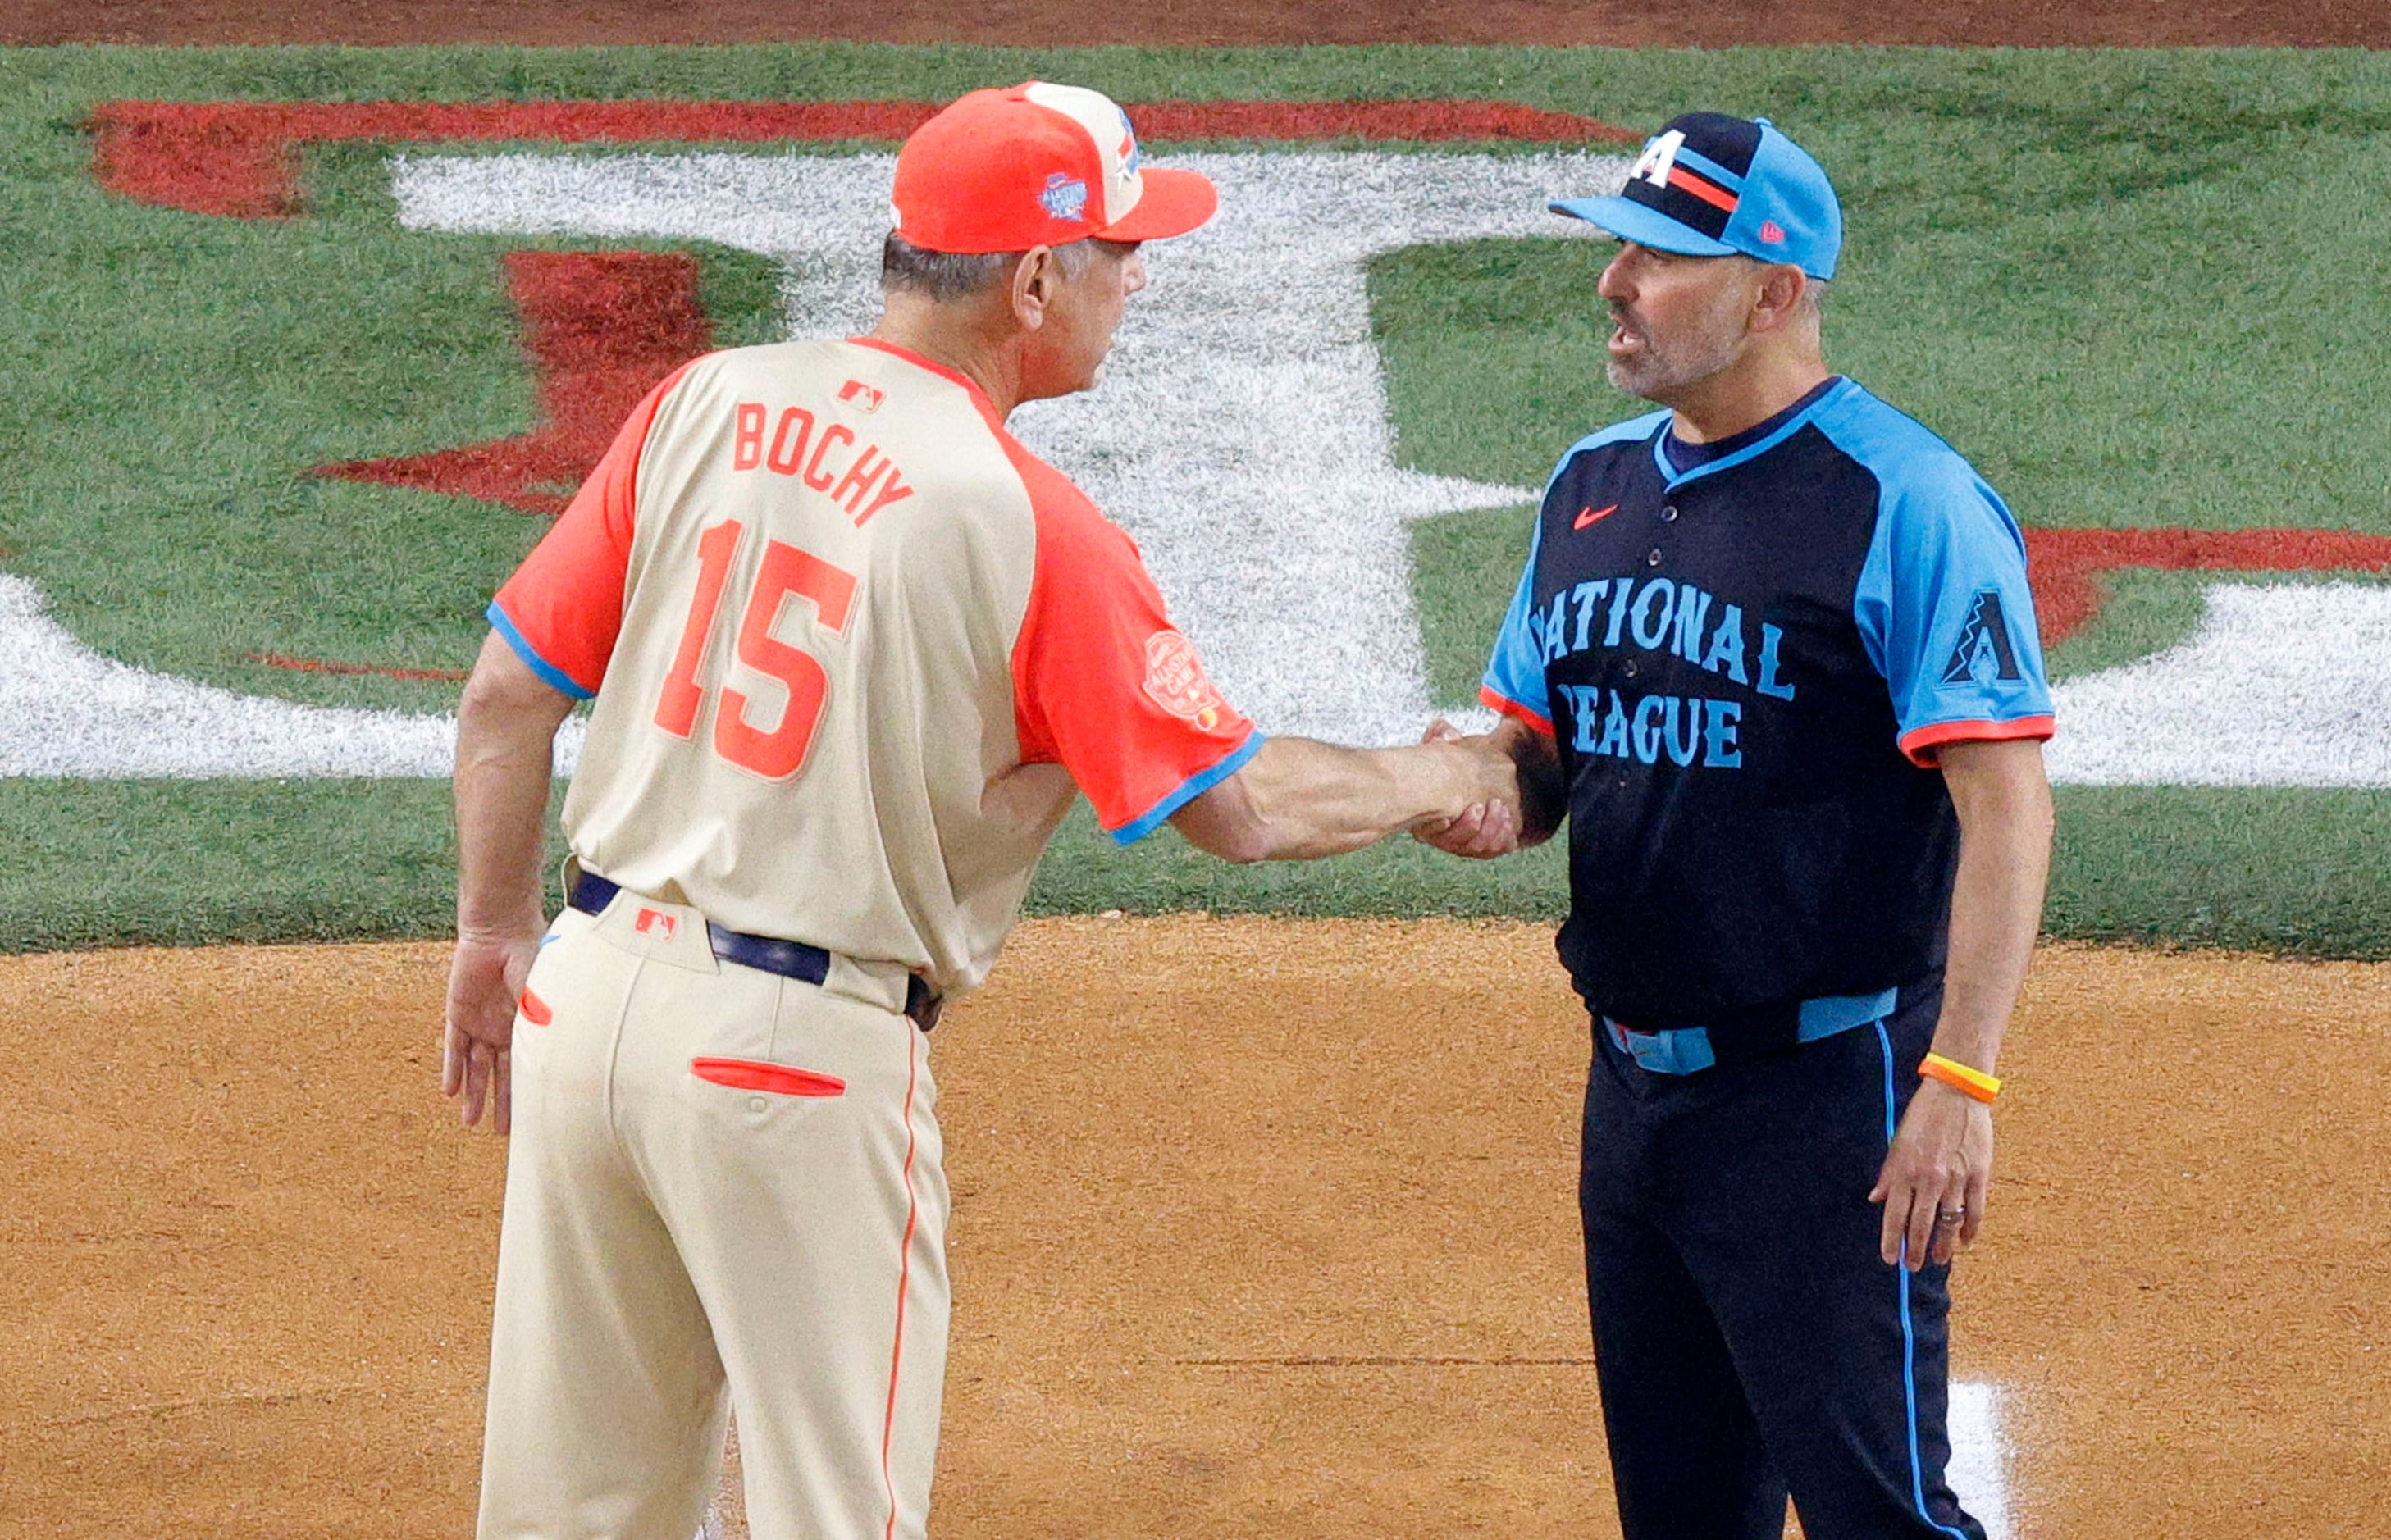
<point x="1748" y="665"/>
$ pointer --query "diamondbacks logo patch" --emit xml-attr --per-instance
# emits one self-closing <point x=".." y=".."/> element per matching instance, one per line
<point x="1985" y="651"/>
<point x="1176" y="680"/>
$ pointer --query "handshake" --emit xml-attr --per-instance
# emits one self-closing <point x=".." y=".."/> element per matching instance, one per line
<point x="1298" y="800"/>
<point x="1490" y="816"/>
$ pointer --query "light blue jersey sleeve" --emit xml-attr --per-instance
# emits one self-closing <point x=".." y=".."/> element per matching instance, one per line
<point x="1943" y="605"/>
<point x="1514" y="683"/>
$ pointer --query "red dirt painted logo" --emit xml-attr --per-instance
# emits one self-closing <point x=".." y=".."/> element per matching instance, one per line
<point x="863" y="397"/>
<point x="1175" y="678"/>
<point x="656" y="923"/>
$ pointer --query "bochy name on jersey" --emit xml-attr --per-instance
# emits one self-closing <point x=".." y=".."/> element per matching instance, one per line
<point x="1748" y="667"/>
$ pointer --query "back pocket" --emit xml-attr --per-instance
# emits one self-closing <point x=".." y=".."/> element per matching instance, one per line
<point x="750" y="1074"/>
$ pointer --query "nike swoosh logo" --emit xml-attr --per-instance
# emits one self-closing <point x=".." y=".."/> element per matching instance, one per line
<point x="1588" y="514"/>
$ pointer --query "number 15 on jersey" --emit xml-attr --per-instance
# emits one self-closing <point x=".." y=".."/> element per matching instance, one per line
<point x="779" y="751"/>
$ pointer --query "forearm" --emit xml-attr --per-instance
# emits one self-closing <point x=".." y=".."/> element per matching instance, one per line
<point x="1995" y="907"/>
<point x="505" y="731"/>
<point x="1318" y="798"/>
<point x="1297" y="799"/>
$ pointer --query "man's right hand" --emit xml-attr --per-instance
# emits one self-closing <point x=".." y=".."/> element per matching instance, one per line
<point x="506" y="729"/>
<point x="485" y="978"/>
<point x="1490" y="825"/>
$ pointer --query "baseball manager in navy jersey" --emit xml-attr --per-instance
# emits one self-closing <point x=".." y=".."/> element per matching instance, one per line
<point x="1774" y="661"/>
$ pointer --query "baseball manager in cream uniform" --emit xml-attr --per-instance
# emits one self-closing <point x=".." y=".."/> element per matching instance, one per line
<point x="853" y="650"/>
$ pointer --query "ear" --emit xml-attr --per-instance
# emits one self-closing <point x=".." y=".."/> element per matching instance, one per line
<point x="1035" y="277"/>
<point x="1777" y="299"/>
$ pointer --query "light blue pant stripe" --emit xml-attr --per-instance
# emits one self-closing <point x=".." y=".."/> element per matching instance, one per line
<point x="1908" y="1334"/>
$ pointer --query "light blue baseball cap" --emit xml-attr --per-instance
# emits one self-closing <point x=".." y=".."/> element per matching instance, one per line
<point x="1712" y="185"/>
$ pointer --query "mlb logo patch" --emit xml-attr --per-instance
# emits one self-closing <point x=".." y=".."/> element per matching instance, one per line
<point x="1066" y="196"/>
<point x="656" y="923"/>
<point x="863" y="397"/>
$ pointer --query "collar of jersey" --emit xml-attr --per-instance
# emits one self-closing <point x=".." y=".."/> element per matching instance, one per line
<point x="933" y="366"/>
<point x="1675" y="478"/>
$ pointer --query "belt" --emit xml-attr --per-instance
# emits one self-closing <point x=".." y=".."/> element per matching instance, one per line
<point x="1751" y="1034"/>
<point x="790" y="959"/>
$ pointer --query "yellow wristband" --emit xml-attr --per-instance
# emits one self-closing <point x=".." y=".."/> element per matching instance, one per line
<point x="1960" y="1078"/>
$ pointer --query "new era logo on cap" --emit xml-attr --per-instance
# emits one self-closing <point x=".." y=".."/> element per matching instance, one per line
<point x="1713" y="185"/>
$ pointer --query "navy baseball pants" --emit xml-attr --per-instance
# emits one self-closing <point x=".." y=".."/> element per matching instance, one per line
<point x="1749" y="1340"/>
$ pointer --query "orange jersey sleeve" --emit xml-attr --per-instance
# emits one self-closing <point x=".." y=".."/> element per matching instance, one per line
<point x="1102" y="685"/>
<point x="562" y="610"/>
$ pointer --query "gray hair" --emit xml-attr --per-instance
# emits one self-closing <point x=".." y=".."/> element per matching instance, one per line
<point x="944" y="276"/>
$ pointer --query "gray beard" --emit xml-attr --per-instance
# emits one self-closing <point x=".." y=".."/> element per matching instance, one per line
<point x="1656" y="373"/>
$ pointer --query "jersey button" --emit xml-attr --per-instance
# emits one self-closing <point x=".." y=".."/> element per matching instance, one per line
<point x="1669" y="514"/>
<point x="1654" y="559"/>
<point x="1628" y="668"/>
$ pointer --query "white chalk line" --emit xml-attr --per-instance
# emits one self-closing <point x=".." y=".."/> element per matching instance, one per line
<point x="1980" y="1454"/>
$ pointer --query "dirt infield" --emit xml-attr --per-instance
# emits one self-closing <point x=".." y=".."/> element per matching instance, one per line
<point x="1262" y="1227"/>
<point x="1043" y="23"/>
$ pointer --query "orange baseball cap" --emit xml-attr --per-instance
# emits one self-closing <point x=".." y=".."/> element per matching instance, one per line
<point x="1037" y="165"/>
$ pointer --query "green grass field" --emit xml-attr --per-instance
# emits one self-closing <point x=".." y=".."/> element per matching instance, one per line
<point x="2136" y="288"/>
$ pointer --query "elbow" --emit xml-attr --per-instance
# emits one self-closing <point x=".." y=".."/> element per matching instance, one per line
<point x="478" y="702"/>
<point x="488" y="711"/>
<point x="2034" y="813"/>
<point x="1241" y="842"/>
<point x="1247" y="846"/>
<point x="1224" y="821"/>
<point x="505" y="707"/>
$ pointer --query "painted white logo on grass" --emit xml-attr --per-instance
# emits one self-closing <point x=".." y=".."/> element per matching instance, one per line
<point x="1242" y="435"/>
<point x="2282" y="685"/>
<point x="71" y="712"/>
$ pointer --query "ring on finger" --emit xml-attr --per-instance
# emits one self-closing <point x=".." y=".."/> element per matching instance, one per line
<point x="1949" y="1216"/>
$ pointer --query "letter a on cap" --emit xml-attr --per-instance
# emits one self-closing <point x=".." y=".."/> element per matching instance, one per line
<point x="1658" y="159"/>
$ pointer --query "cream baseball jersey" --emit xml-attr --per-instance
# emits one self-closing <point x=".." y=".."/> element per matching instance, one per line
<point x="846" y="636"/>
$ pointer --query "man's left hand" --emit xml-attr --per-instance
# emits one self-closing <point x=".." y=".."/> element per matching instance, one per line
<point x="1941" y="1163"/>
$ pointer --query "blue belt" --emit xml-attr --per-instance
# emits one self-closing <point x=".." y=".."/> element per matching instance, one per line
<point x="1684" y="1050"/>
<point x="790" y="959"/>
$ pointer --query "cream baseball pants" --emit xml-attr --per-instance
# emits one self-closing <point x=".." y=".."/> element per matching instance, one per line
<point x="724" y="1193"/>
